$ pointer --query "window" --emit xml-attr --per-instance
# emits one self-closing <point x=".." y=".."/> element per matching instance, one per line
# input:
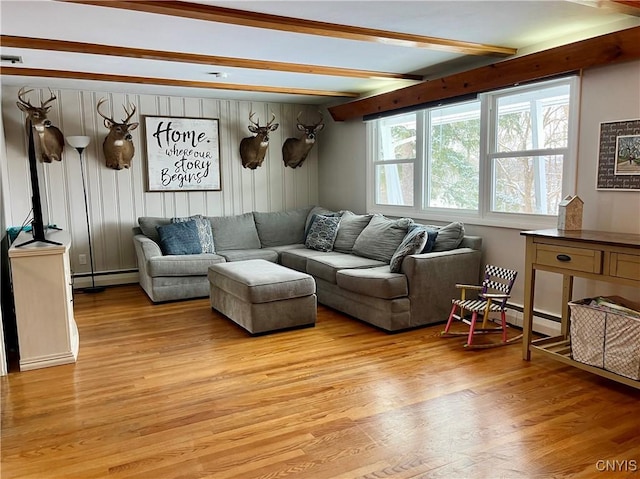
<point x="530" y="133"/>
<point x="453" y="157"/>
<point x="505" y="158"/>
<point x="394" y="171"/>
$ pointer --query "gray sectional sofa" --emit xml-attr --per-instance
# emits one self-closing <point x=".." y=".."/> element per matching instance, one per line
<point x="355" y="277"/>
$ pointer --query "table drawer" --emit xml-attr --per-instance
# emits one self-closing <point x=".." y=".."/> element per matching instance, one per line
<point x="625" y="266"/>
<point x="574" y="259"/>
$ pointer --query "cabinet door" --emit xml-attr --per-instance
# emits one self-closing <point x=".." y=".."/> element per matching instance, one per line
<point x="41" y="276"/>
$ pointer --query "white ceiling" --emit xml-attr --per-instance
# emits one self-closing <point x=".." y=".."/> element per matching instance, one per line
<point x="525" y="25"/>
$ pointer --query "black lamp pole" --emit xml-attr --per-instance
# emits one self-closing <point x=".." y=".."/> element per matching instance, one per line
<point x="93" y="288"/>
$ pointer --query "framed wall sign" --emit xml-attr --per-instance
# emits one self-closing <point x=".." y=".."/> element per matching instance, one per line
<point x="183" y="154"/>
<point x="619" y="156"/>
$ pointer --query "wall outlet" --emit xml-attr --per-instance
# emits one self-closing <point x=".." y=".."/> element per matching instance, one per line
<point x="82" y="258"/>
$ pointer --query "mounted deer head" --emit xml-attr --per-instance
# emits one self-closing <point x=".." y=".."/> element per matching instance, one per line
<point x="295" y="150"/>
<point x="117" y="146"/>
<point x="49" y="138"/>
<point x="253" y="148"/>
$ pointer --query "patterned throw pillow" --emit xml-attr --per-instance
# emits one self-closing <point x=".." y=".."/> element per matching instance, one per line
<point x="205" y="235"/>
<point x="328" y="214"/>
<point x="411" y="244"/>
<point x="179" y="238"/>
<point x="322" y="233"/>
<point x="432" y="235"/>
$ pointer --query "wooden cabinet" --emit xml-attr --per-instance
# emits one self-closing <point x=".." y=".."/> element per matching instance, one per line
<point x="597" y="255"/>
<point x="43" y="292"/>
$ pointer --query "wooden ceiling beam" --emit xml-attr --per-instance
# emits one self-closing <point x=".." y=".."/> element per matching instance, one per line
<point x="140" y="53"/>
<point x="627" y="7"/>
<point x="298" y="25"/>
<point x="46" y="73"/>
<point x="607" y="49"/>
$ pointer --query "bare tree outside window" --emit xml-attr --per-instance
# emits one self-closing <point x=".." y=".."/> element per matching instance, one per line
<point x="530" y="123"/>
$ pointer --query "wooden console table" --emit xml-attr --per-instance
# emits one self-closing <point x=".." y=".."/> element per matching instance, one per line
<point x="597" y="255"/>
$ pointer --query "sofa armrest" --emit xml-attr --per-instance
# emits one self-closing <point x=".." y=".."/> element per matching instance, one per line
<point x="432" y="279"/>
<point x="145" y="247"/>
<point x="473" y="242"/>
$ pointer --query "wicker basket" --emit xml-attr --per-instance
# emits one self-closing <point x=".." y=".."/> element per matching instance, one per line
<point x="605" y="339"/>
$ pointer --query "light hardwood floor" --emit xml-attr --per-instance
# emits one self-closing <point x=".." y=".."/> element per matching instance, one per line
<point x="178" y="391"/>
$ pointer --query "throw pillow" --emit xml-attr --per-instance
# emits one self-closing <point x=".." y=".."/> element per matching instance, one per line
<point x="449" y="236"/>
<point x="281" y="227"/>
<point x="381" y="237"/>
<point x="314" y="216"/>
<point x="412" y="243"/>
<point x="179" y="238"/>
<point x="318" y="210"/>
<point x="351" y="225"/>
<point x="204" y="231"/>
<point x="235" y="232"/>
<point x="322" y="233"/>
<point x="432" y="235"/>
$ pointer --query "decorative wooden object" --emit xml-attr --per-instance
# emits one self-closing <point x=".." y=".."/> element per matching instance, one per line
<point x="570" y="213"/>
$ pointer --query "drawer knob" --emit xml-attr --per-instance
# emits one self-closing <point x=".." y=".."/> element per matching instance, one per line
<point x="563" y="257"/>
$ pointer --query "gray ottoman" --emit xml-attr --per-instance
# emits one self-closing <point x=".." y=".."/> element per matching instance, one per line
<point x="262" y="296"/>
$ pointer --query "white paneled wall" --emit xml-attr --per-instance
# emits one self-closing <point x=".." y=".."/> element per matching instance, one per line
<point x="117" y="198"/>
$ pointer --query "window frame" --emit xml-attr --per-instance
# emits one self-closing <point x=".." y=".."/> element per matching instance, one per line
<point x="484" y="215"/>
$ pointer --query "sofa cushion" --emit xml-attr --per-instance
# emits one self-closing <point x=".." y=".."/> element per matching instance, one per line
<point x="234" y="232"/>
<point x="326" y="265"/>
<point x="182" y="265"/>
<point x="287" y="247"/>
<point x="148" y="226"/>
<point x="205" y="235"/>
<point x="297" y="259"/>
<point x="322" y="232"/>
<point x="351" y="225"/>
<point x="179" y="238"/>
<point x="412" y="243"/>
<point x="377" y="282"/>
<point x="381" y="237"/>
<point x="281" y="228"/>
<point x="258" y="281"/>
<point x="247" y="254"/>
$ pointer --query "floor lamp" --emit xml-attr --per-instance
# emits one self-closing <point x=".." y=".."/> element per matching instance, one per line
<point x="80" y="143"/>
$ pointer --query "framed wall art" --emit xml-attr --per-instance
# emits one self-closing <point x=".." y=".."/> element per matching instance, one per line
<point x="183" y="154"/>
<point x="619" y="156"/>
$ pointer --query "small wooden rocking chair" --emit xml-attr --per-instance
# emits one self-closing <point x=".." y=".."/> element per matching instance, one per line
<point x="492" y="298"/>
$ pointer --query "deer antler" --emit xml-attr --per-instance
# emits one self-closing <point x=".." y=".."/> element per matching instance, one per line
<point x="273" y="118"/>
<point x="129" y="115"/>
<point x="53" y="97"/>
<point x="251" y="119"/>
<point x="22" y="93"/>
<point x="100" y="102"/>
<point x="315" y="124"/>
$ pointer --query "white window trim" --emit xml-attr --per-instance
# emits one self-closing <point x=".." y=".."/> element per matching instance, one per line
<point x="483" y="216"/>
